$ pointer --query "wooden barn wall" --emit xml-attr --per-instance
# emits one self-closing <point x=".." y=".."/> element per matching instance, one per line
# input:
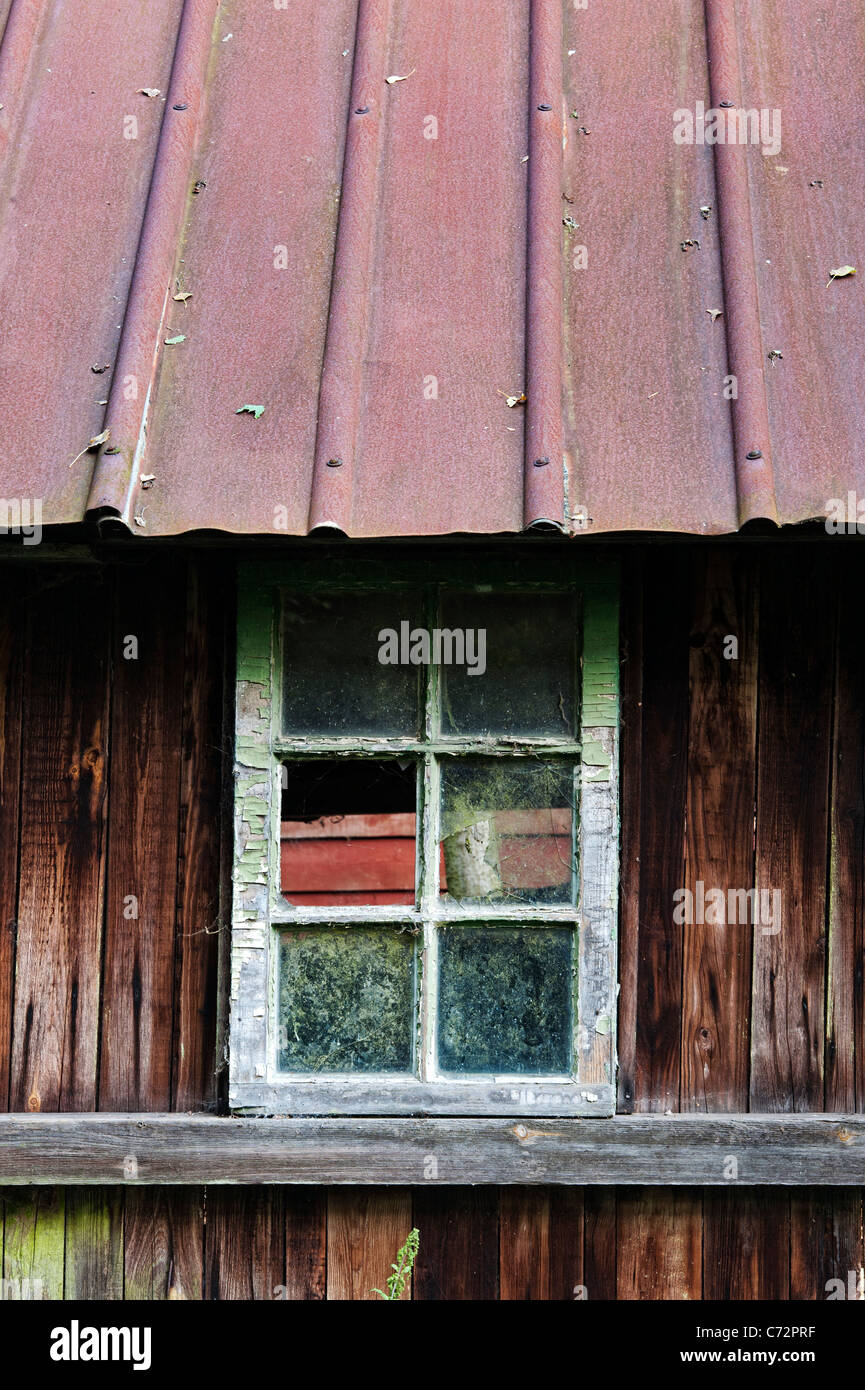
<point x="735" y="773"/>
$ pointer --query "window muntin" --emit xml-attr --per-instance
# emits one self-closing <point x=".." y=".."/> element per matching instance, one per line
<point x="472" y="965"/>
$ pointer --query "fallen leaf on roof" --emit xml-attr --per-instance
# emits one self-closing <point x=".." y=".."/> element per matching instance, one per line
<point x="147" y="479"/>
<point x="178" y="338"/>
<point x="705" y="210"/>
<point x="182" y="296"/>
<point x="93" y="443"/>
<point x="569" y="222"/>
<point x="775" y="355"/>
<point x="394" y="78"/>
<point x="716" y="313"/>
<point x="100" y="368"/>
<point x="841" y="273"/>
<point x="149" y="91"/>
<point x="139" y="521"/>
<point x="255" y="410"/>
<point x="511" y="401"/>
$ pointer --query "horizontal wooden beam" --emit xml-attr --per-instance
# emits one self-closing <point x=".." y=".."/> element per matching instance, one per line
<point x="661" y="1150"/>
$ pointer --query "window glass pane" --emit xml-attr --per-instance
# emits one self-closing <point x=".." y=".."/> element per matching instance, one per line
<point x="334" y="682"/>
<point x="505" y="999"/>
<point x="346" y="1000"/>
<point x="521" y="678"/>
<point x="507" y="831"/>
<point x="347" y="835"/>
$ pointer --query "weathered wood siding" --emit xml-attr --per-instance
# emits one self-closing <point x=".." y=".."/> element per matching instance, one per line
<point x="736" y="773"/>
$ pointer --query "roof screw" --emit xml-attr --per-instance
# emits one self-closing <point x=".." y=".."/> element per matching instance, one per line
<point x="544" y="107"/>
<point x="754" y="454"/>
<point x="361" y="110"/>
<point x="334" y="463"/>
<point x="725" y="103"/>
<point x="180" y="106"/>
<point x="542" y="463"/>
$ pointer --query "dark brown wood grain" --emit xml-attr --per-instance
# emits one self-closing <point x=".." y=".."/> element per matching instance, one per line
<point x="365" y="1231"/>
<point x="201" y="918"/>
<point x="746" y="1244"/>
<point x="666" y="626"/>
<point x="524" y="1243"/>
<point x="797" y="627"/>
<point x="62" y="859"/>
<point x="826" y="1244"/>
<point x="147" y="662"/>
<point x="599" y="1243"/>
<point x="459" y="1243"/>
<point x="845" y="1003"/>
<point x="163" y="1243"/>
<point x="305" y="1244"/>
<point x="719" y="845"/>
<point x="13" y="586"/>
<point x="659" y="1236"/>
<point x="244" y="1252"/>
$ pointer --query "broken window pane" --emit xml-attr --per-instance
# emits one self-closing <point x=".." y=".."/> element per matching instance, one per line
<point x="333" y="680"/>
<point x="507" y="831"/>
<point x="505" y="999"/>
<point x="519" y="672"/>
<point x="346" y="1000"/>
<point x="347" y="835"/>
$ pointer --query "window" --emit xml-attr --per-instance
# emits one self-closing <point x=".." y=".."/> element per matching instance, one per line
<point x="426" y="829"/>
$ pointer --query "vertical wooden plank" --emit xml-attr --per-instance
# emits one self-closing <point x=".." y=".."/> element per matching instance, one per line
<point x="94" y="1243"/>
<point x="209" y="609"/>
<point x="746" y="1243"/>
<point x="719" y="844"/>
<point x="459" y="1243"/>
<point x="34" y="1237"/>
<point x="599" y="1243"/>
<point x="666" y="606"/>
<point x="56" y="1015"/>
<point x="630" y="803"/>
<point x="163" y="1243"/>
<point x="244" y="1242"/>
<point x="567" y="1276"/>
<point x="305" y="1243"/>
<point x="147" y="659"/>
<point x="524" y="1243"/>
<point x="12" y="589"/>
<point x="797" y="624"/>
<point x="365" y="1229"/>
<point x="845" y="1004"/>
<point x="826" y="1243"/>
<point x="659" y="1243"/>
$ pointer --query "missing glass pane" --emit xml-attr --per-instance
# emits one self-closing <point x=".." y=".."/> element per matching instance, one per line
<point x="333" y="680"/>
<point x="346" y="1000"/>
<point x="348" y="832"/>
<point x="507" y="831"/>
<point x="528" y="683"/>
<point x="505" y="999"/>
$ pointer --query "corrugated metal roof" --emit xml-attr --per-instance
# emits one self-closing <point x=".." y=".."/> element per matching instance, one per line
<point x="379" y="265"/>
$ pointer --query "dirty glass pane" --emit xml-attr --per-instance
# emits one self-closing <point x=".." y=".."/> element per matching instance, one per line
<point x="346" y="1000"/>
<point x="505" y="999"/>
<point x="507" y="831"/>
<point x="333" y="680"/>
<point x="518" y="675"/>
<point x="347" y="832"/>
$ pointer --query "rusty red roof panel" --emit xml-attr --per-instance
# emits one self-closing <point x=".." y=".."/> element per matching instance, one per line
<point x="381" y="222"/>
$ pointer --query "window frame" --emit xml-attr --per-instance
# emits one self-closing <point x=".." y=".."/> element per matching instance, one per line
<point x="260" y="911"/>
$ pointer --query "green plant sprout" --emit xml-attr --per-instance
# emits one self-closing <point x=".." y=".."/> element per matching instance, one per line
<point x="406" y="1256"/>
